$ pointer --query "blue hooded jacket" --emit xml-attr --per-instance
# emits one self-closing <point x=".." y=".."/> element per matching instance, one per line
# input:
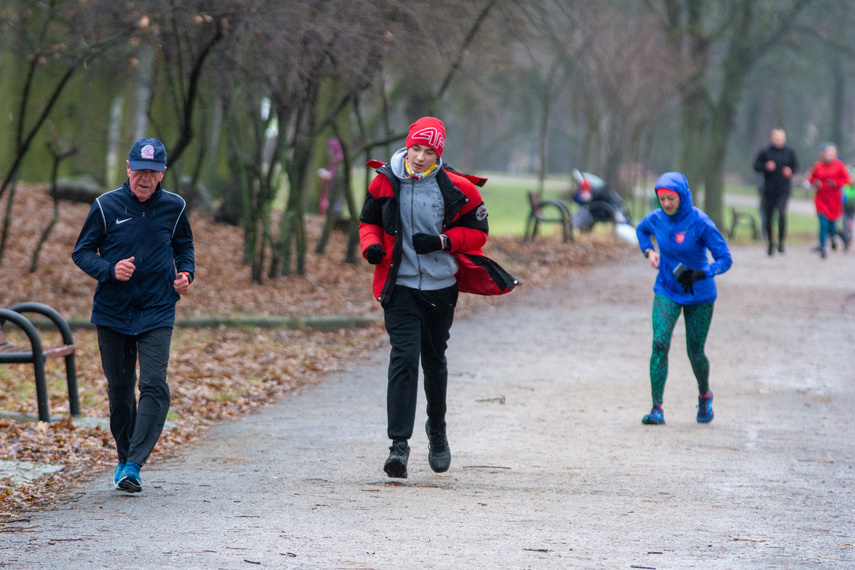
<point x="684" y="238"/>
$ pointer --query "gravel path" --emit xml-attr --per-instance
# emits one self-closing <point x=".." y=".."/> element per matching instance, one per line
<point x="551" y="465"/>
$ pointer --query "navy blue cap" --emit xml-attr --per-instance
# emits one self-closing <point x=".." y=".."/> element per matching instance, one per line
<point x="147" y="154"/>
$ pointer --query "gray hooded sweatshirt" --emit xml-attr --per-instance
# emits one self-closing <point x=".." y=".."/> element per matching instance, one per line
<point x="422" y="211"/>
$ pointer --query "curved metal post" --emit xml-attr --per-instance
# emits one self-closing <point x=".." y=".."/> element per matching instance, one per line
<point x="37" y="358"/>
<point x="65" y="331"/>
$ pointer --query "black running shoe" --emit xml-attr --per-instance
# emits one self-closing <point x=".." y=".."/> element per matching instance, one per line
<point x="439" y="454"/>
<point x="396" y="464"/>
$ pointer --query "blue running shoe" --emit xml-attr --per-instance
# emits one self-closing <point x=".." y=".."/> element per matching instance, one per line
<point x="705" y="413"/>
<point x="655" y="417"/>
<point x="119" y="468"/>
<point x="130" y="479"/>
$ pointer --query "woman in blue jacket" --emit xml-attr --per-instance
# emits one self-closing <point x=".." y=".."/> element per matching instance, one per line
<point x="685" y="283"/>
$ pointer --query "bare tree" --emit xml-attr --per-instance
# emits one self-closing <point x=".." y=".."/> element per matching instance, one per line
<point x="60" y="152"/>
<point x="716" y="44"/>
<point x="58" y="39"/>
<point x="616" y="77"/>
<point x="185" y="35"/>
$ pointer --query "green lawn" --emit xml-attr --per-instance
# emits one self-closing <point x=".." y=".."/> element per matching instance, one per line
<point x="506" y="198"/>
<point x="508" y="206"/>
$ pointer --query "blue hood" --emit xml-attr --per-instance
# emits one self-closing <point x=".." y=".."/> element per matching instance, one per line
<point x="677" y="182"/>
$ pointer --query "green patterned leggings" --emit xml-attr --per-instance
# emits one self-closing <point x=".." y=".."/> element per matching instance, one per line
<point x="698" y="319"/>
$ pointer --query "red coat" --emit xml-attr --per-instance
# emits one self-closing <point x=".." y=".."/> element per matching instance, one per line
<point x="465" y="224"/>
<point x="830" y="180"/>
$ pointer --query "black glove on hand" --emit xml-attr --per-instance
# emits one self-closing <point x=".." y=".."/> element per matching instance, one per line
<point x="374" y="253"/>
<point x="426" y="243"/>
<point x="688" y="278"/>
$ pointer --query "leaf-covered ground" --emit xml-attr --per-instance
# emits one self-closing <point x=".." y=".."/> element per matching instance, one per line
<point x="216" y="373"/>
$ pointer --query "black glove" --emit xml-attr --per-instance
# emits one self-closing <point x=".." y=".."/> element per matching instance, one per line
<point x="688" y="278"/>
<point x="374" y="253"/>
<point x="426" y="243"/>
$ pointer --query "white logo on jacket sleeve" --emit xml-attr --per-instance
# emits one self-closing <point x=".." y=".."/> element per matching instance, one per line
<point x="481" y="213"/>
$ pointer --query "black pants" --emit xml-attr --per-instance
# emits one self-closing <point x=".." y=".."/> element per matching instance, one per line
<point x="772" y="203"/>
<point x="136" y="429"/>
<point x="418" y="323"/>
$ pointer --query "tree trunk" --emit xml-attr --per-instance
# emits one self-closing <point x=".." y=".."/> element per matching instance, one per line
<point x="838" y="101"/>
<point x="695" y="124"/>
<point x="113" y="143"/>
<point x="543" y="130"/>
<point x="293" y="228"/>
<point x="352" y="207"/>
<point x="142" y="97"/>
<point x="57" y="159"/>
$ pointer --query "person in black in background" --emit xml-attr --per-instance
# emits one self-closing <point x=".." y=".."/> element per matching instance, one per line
<point x="778" y="163"/>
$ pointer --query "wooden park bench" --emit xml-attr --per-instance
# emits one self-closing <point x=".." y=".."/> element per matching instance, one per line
<point x="37" y="354"/>
<point x="536" y="216"/>
<point x="743" y="219"/>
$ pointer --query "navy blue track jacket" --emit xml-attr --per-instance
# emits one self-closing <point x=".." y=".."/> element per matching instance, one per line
<point x="156" y="233"/>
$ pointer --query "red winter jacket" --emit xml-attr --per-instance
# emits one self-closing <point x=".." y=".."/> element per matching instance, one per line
<point x="465" y="224"/>
<point x="830" y="178"/>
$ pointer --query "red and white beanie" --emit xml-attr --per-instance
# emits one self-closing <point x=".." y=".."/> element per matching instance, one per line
<point x="429" y="132"/>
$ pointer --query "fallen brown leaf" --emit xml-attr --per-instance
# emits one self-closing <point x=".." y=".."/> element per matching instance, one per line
<point x="217" y="373"/>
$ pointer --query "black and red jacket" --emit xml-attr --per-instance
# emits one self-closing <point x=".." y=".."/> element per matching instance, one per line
<point x="465" y="224"/>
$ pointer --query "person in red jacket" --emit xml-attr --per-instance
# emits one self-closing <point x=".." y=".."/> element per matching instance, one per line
<point x="829" y="175"/>
<point x="422" y="227"/>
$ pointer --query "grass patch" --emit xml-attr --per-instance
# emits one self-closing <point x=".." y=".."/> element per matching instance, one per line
<point x="506" y="198"/>
<point x="229" y="396"/>
<point x="801" y="228"/>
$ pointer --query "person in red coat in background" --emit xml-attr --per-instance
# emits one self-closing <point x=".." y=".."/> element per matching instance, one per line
<point x="829" y="175"/>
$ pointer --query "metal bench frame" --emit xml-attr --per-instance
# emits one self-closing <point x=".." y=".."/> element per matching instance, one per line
<point x="536" y="217"/>
<point x="37" y="354"/>
<point x="741" y="218"/>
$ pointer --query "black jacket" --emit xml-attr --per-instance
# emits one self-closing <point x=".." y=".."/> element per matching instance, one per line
<point x="774" y="182"/>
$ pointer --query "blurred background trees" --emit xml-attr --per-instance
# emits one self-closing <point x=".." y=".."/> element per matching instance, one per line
<point x="246" y="94"/>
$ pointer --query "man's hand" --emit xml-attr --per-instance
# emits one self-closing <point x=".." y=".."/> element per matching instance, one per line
<point x="787" y="172"/>
<point x="770" y="166"/>
<point x="374" y="253"/>
<point x="426" y="243"/>
<point x="124" y="269"/>
<point x="182" y="283"/>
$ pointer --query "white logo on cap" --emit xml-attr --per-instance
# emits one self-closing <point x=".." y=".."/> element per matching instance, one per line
<point x="147" y="152"/>
<point x="433" y="136"/>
